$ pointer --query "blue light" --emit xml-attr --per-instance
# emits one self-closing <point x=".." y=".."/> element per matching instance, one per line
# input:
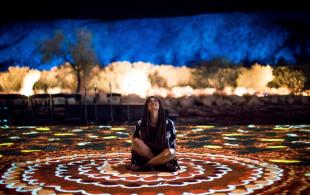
<point x="236" y="37"/>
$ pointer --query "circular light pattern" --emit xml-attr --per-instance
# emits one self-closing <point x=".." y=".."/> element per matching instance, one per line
<point x="97" y="173"/>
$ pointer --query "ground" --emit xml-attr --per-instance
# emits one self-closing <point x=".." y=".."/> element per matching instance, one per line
<point x="241" y="159"/>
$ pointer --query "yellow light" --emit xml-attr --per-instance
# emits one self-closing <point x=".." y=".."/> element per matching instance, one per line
<point x="28" y="82"/>
<point x="204" y="126"/>
<point x="233" y="134"/>
<point x="128" y="141"/>
<point x="110" y="137"/>
<point x="271" y="140"/>
<point x="281" y="128"/>
<point x="212" y="146"/>
<point x="276" y="147"/>
<point x="63" y="134"/>
<point x="27" y="151"/>
<point x="43" y="129"/>
<point x="6" y="144"/>
<point x="197" y="129"/>
<point x="284" y="161"/>
<point x="118" y="129"/>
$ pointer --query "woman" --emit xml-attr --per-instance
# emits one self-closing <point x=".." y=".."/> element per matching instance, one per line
<point x="153" y="144"/>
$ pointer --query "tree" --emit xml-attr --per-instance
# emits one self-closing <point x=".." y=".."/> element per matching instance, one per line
<point x="291" y="78"/>
<point x="78" y="53"/>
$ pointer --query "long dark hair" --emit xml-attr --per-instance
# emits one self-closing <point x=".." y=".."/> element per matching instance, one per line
<point x="161" y="123"/>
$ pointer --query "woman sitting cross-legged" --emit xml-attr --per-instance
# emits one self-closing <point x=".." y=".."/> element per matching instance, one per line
<point x="153" y="143"/>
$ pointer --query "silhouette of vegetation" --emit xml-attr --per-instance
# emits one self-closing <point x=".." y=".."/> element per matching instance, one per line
<point x="293" y="79"/>
<point x="78" y="53"/>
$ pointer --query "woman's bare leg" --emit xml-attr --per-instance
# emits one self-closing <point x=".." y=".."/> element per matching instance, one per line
<point x="165" y="156"/>
<point x="141" y="148"/>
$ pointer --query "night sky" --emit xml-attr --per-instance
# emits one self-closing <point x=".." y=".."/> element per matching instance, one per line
<point x="177" y="33"/>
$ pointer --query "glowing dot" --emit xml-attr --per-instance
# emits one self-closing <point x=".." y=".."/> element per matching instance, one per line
<point x="63" y="134"/>
<point x="233" y="134"/>
<point x="204" y="126"/>
<point x="30" y="133"/>
<point x="128" y="141"/>
<point x="122" y="133"/>
<point x="83" y="143"/>
<point x="15" y="137"/>
<point x="302" y="142"/>
<point x="26" y="127"/>
<point x="118" y="129"/>
<point x="292" y="135"/>
<point x="76" y="130"/>
<point x="276" y="147"/>
<point x="281" y="128"/>
<point x="1" y="156"/>
<point x="212" y="146"/>
<point x="93" y="136"/>
<point x="242" y="131"/>
<point x="27" y="151"/>
<point x="110" y="137"/>
<point x="104" y="127"/>
<point x="4" y="127"/>
<point x="305" y="130"/>
<point x="228" y="144"/>
<point x="307" y="174"/>
<point x="284" y="161"/>
<point x="6" y="144"/>
<point x="271" y="140"/>
<point x="251" y="126"/>
<point x="43" y="129"/>
<point x="230" y="138"/>
<point x="197" y="129"/>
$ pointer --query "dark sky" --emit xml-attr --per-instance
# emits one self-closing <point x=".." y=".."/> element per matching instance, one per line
<point x="32" y="10"/>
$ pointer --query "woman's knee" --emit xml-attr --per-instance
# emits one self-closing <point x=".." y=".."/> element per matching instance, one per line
<point x="137" y="143"/>
<point x="169" y="153"/>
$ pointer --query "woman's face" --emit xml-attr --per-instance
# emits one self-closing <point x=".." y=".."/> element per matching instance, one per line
<point x="153" y="104"/>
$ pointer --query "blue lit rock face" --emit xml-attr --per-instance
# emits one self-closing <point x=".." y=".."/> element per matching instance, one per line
<point x="236" y="37"/>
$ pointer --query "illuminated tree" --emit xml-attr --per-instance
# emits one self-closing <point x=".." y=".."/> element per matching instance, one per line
<point x="293" y="79"/>
<point x="79" y="53"/>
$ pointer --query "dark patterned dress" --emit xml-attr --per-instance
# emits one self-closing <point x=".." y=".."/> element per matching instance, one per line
<point x="155" y="148"/>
